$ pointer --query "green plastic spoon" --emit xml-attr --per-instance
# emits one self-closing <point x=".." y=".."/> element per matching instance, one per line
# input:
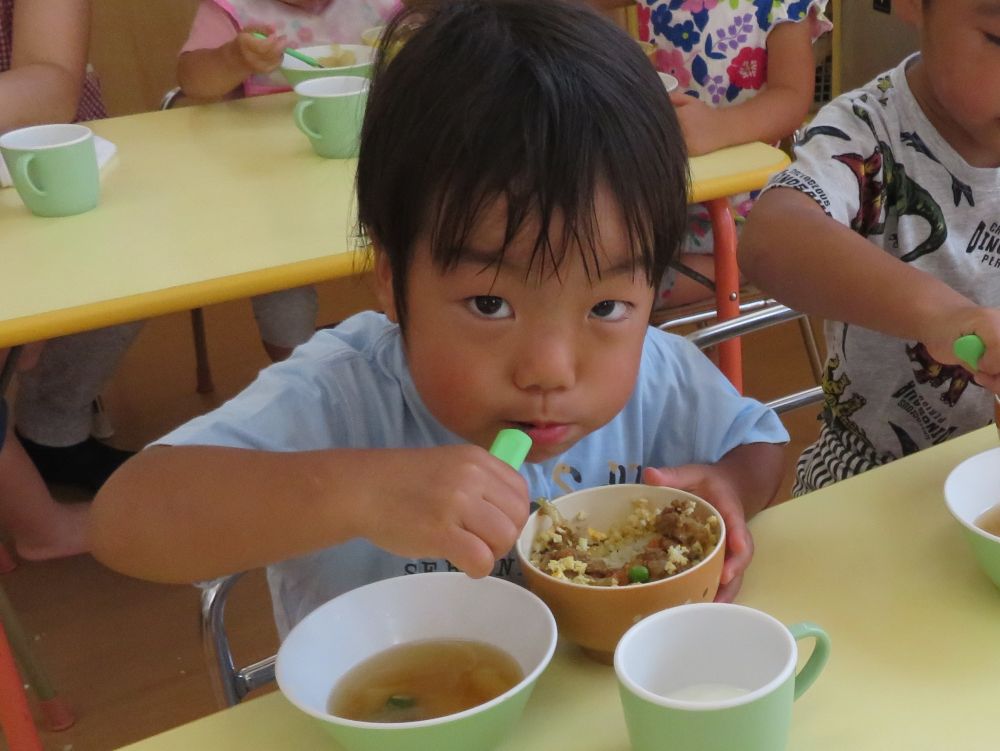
<point x="295" y="53"/>
<point x="969" y="349"/>
<point x="511" y="446"/>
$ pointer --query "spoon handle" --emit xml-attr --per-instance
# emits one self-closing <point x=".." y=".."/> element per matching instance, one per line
<point x="969" y="349"/>
<point x="512" y="446"/>
<point x="294" y="53"/>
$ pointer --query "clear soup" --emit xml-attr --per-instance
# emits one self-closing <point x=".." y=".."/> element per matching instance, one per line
<point x="423" y="680"/>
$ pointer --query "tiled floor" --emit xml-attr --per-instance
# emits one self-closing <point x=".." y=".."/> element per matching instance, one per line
<point x="126" y="654"/>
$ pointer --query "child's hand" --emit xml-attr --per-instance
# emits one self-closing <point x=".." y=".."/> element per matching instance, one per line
<point x="984" y="322"/>
<point x="700" y="124"/>
<point x="454" y="502"/>
<point x="705" y="482"/>
<point x="258" y="55"/>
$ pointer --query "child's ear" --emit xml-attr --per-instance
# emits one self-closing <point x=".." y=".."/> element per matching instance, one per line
<point x="383" y="284"/>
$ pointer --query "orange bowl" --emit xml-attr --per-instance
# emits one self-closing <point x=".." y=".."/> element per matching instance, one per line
<point x="595" y="617"/>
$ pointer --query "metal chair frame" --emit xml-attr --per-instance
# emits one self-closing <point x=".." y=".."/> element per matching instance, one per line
<point x="770" y="314"/>
<point x="230" y="684"/>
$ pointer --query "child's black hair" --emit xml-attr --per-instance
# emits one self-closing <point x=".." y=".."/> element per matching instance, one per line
<point x="535" y="102"/>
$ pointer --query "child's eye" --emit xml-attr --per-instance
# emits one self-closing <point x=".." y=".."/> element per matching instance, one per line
<point x="489" y="306"/>
<point x="610" y="310"/>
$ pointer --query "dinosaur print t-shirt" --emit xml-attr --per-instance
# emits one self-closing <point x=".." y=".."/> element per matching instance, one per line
<point x="873" y="161"/>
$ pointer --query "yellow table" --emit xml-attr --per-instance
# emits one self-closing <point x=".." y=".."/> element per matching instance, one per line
<point x="200" y="205"/>
<point x="206" y="204"/>
<point x="876" y="560"/>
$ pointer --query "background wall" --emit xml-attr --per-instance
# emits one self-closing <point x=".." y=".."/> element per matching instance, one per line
<point x="134" y="46"/>
<point x="134" y="49"/>
<point x="870" y="42"/>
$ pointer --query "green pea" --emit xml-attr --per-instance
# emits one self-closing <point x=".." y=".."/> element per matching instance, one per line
<point x="400" y="701"/>
<point x="638" y="574"/>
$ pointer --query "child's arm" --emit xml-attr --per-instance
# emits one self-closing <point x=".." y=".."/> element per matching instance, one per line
<point x="212" y="73"/>
<point x="48" y="63"/>
<point x="189" y="513"/>
<point x="774" y="113"/>
<point x="739" y="485"/>
<point x="838" y="274"/>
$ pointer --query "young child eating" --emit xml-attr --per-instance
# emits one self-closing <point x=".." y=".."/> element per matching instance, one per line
<point x="522" y="177"/>
<point x="896" y="186"/>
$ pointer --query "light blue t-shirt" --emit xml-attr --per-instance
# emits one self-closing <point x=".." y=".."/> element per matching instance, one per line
<point x="350" y="387"/>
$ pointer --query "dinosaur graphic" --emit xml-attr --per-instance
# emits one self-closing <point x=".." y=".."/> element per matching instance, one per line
<point x="931" y="371"/>
<point x="870" y="189"/>
<point x="897" y="193"/>
<point x="837" y="411"/>
<point x="959" y="190"/>
<point x="884" y="85"/>
<point x="906" y="443"/>
<point x="822" y="130"/>
<point x="904" y="196"/>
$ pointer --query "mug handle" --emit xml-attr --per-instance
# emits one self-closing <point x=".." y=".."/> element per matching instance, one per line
<point x="821" y="653"/>
<point x="21" y="170"/>
<point x="300" y="108"/>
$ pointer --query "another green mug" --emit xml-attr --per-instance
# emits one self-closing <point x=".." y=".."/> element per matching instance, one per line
<point x="713" y="677"/>
<point x="54" y="168"/>
<point x="330" y="112"/>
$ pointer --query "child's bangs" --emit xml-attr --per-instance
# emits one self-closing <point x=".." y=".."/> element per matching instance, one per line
<point x="543" y="146"/>
<point x="543" y="108"/>
<point x="551" y="219"/>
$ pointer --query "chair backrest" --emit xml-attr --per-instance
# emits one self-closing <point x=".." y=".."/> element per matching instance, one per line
<point x="170" y="98"/>
<point x="747" y="323"/>
<point x="230" y="684"/>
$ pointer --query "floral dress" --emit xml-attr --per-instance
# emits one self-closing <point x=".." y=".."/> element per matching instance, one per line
<point x="717" y="51"/>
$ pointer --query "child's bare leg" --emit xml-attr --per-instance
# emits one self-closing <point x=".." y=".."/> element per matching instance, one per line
<point x="41" y="528"/>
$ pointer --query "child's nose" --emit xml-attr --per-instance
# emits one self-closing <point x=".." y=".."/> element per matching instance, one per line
<point x="545" y="362"/>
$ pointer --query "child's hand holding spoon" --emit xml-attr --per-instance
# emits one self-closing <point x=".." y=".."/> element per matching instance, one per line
<point x="258" y="52"/>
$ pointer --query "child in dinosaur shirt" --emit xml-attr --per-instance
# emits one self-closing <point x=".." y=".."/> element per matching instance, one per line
<point x="897" y="187"/>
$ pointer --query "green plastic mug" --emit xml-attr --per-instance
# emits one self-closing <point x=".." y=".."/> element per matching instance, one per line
<point x="713" y="677"/>
<point x="330" y="112"/>
<point x="54" y="168"/>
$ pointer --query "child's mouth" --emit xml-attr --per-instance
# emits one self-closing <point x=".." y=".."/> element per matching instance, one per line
<point x="544" y="433"/>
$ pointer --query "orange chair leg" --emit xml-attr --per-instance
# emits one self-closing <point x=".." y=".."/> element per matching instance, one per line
<point x="15" y="715"/>
<point x="727" y="286"/>
<point x="56" y="712"/>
